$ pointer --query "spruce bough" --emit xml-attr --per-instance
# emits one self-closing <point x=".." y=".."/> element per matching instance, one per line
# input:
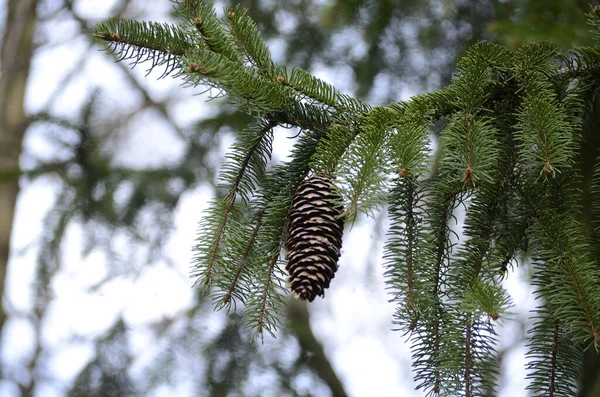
<point x="508" y="153"/>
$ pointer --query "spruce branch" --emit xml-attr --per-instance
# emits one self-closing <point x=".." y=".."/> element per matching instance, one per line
<point x="555" y="362"/>
<point x="427" y="340"/>
<point x="264" y="296"/>
<point x="317" y="90"/>
<point x="263" y="323"/>
<point x="331" y="148"/>
<point x="508" y="153"/>
<point x="201" y="17"/>
<point x="594" y="22"/>
<point x="160" y="43"/>
<point x="571" y="277"/>
<point x="545" y="135"/>
<point x="470" y="154"/>
<point x="583" y="62"/>
<point x="246" y="257"/>
<point x="474" y="295"/>
<point x="240" y="176"/>
<point x="441" y="247"/>
<point x="363" y="167"/>
<point x="582" y="277"/>
<point x="249" y="39"/>
<point x="480" y="68"/>
<point x="406" y="272"/>
<point x="401" y="272"/>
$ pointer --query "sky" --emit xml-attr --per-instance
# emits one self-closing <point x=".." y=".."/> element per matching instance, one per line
<point x="353" y="321"/>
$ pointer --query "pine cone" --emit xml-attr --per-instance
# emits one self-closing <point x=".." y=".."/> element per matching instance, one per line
<point x="314" y="237"/>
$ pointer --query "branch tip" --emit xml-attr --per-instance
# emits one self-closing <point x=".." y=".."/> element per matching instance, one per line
<point x="199" y="23"/>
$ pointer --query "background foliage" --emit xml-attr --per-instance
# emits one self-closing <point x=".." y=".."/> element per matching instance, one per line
<point x="383" y="51"/>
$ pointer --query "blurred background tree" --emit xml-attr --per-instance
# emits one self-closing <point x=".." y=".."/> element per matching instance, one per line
<point x="110" y="159"/>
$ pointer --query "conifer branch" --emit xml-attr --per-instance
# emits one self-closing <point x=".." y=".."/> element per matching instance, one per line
<point x="439" y="256"/>
<point x="468" y="151"/>
<point x="584" y="304"/>
<point x="363" y="166"/>
<point x="437" y="387"/>
<point x="261" y="324"/>
<point x="243" y="261"/>
<point x="316" y="89"/>
<point x="274" y="200"/>
<point x="507" y="153"/>
<point x="248" y="37"/>
<point x="473" y="295"/>
<point x="217" y="242"/>
<point x="248" y="159"/>
<point x="554" y="364"/>
<point x="441" y="241"/>
<point x="161" y="44"/>
<point x="407" y="273"/>
<point x="594" y="21"/>
<point x="331" y="148"/>
<point x="201" y="15"/>
<point x="583" y="280"/>
<point x="428" y="362"/>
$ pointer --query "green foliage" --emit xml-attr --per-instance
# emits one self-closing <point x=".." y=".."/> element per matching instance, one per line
<point x="440" y="31"/>
<point x="103" y="375"/>
<point x="511" y="128"/>
<point x="265" y="297"/>
<point x="211" y="35"/>
<point x="362" y="168"/>
<point x="249" y="39"/>
<point x="240" y="177"/>
<point x="524" y="21"/>
<point x="108" y="200"/>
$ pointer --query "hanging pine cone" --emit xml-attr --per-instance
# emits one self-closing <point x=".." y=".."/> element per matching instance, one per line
<point x="314" y="237"/>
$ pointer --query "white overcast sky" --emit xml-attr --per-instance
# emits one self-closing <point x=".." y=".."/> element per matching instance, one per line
<point x="353" y="322"/>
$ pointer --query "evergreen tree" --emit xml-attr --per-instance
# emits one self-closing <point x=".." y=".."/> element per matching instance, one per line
<point x="509" y="137"/>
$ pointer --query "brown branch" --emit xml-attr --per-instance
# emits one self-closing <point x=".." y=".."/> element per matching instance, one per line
<point x="554" y="359"/>
<point x="410" y="225"/>
<point x="263" y="301"/>
<point x="244" y="260"/>
<point x="231" y="198"/>
<point x="582" y="304"/>
<point x="436" y="289"/>
<point x="215" y="246"/>
<point x="468" y="168"/>
<point x="468" y="357"/>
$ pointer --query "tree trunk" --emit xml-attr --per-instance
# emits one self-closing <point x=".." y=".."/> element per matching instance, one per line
<point x="15" y="57"/>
